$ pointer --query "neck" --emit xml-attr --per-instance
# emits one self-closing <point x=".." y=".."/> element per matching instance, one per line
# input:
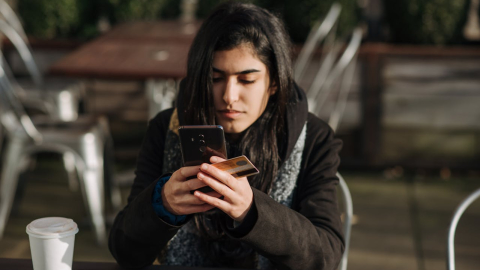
<point x="233" y="137"/>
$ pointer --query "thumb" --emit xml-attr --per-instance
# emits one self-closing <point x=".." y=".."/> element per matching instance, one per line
<point x="215" y="159"/>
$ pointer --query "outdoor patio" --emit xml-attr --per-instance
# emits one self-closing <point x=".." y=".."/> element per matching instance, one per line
<point x="408" y="119"/>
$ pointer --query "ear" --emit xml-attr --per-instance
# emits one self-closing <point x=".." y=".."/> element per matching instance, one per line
<point x="273" y="89"/>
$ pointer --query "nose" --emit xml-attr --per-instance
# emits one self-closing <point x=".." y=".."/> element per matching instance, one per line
<point x="231" y="93"/>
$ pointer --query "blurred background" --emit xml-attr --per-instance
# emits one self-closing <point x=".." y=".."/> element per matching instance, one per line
<point x="399" y="81"/>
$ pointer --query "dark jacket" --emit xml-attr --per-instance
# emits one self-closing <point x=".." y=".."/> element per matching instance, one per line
<point x="307" y="236"/>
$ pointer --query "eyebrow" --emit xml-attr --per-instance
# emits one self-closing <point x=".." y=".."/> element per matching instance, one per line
<point x="237" y="73"/>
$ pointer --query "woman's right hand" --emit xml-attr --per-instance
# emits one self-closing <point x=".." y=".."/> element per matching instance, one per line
<point x="176" y="196"/>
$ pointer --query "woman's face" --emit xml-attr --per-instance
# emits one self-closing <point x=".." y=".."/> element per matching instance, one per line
<point x="241" y="88"/>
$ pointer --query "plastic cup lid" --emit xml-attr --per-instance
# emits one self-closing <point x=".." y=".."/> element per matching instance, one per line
<point x="52" y="227"/>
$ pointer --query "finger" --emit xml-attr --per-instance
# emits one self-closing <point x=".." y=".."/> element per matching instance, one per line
<point x="214" y="194"/>
<point x="185" y="172"/>
<point x="216" y="185"/>
<point x="218" y="174"/>
<point x="190" y="200"/>
<point x="193" y="184"/>
<point x="187" y="200"/>
<point x="213" y="152"/>
<point x="218" y="203"/>
<point x="215" y="159"/>
<point x="198" y="208"/>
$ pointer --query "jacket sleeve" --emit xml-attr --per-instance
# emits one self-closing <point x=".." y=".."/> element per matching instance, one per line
<point x="138" y="234"/>
<point x="309" y="236"/>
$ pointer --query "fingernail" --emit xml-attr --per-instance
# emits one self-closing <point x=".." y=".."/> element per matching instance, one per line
<point x="204" y="166"/>
<point x="200" y="176"/>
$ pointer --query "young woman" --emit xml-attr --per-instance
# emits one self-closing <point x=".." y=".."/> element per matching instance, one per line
<point x="240" y="77"/>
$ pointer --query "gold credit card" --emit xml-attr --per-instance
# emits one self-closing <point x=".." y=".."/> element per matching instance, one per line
<point x="238" y="167"/>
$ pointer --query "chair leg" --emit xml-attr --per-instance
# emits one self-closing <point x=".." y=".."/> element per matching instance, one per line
<point x="69" y="164"/>
<point x="10" y="171"/>
<point x="92" y="182"/>
<point x="113" y="187"/>
<point x="1" y="137"/>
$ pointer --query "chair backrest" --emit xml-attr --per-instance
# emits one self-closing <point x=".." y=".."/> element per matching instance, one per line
<point x="350" y="63"/>
<point x="453" y="226"/>
<point x="326" y="76"/>
<point x="342" y="74"/>
<point x="13" y="117"/>
<point x="320" y="30"/>
<point x="9" y="15"/>
<point x="347" y="222"/>
<point x="346" y="65"/>
<point x="24" y="51"/>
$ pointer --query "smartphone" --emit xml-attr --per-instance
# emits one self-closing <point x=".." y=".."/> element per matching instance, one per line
<point x="200" y="142"/>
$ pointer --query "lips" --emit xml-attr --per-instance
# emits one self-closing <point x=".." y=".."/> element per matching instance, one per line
<point x="232" y="114"/>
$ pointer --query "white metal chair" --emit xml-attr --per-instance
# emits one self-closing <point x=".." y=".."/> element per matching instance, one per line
<point x="345" y="67"/>
<point x="58" y="98"/>
<point x="161" y="95"/>
<point x="453" y="227"/>
<point x="322" y="29"/>
<point x="9" y="15"/>
<point x="327" y="75"/>
<point x="347" y="222"/>
<point x="341" y="74"/>
<point x="83" y="139"/>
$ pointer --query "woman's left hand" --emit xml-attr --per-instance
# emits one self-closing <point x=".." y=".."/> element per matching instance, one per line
<point x="237" y="193"/>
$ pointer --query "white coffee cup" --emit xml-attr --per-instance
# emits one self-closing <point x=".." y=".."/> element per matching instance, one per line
<point x="51" y="243"/>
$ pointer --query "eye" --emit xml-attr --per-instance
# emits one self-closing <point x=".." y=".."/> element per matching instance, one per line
<point x="247" y="81"/>
<point x="217" y="79"/>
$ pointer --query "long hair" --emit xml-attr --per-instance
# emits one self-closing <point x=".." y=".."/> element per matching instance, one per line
<point x="231" y="25"/>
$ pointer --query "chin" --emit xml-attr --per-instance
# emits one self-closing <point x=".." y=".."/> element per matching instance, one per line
<point x="229" y="128"/>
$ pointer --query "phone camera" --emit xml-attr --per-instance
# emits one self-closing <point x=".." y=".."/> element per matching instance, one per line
<point x="202" y="148"/>
<point x="202" y="143"/>
<point x="201" y="136"/>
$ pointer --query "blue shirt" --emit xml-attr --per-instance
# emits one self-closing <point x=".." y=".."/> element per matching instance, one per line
<point x="160" y="210"/>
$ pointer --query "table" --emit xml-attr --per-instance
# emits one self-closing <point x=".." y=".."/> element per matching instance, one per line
<point x="26" y="264"/>
<point x="154" y="52"/>
<point x="153" y="31"/>
<point x="136" y="50"/>
<point x="114" y="59"/>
